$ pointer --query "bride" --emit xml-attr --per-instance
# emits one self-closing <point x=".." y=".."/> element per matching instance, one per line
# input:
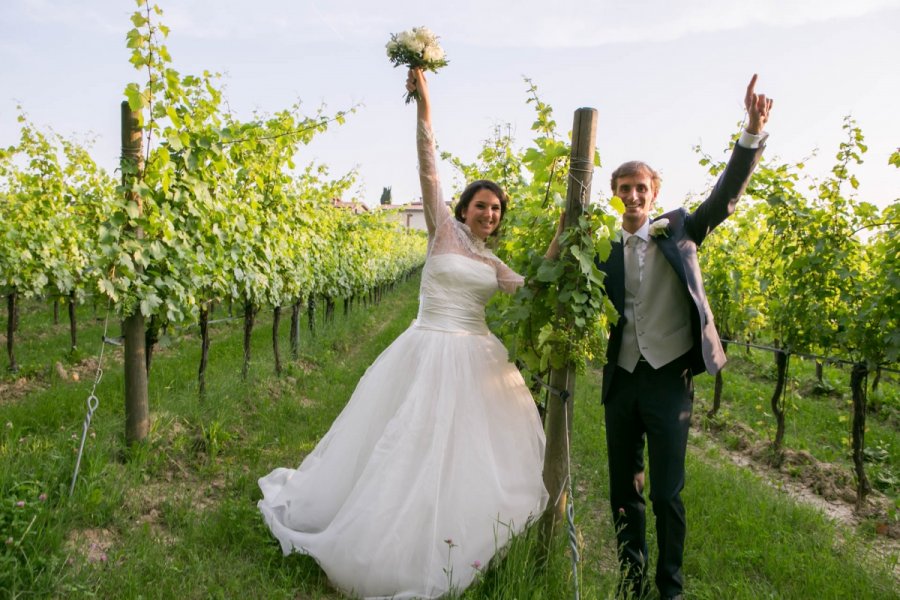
<point x="436" y="460"/>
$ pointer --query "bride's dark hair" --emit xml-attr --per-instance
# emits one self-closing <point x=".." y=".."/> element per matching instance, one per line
<point x="466" y="197"/>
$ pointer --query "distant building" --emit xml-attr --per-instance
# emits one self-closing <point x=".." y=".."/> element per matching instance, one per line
<point x="411" y="215"/>
<point x="353" y="205"/>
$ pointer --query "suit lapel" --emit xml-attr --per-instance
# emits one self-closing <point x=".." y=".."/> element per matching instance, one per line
<point x="669" y="249"/>
<point x="615" y="286"/>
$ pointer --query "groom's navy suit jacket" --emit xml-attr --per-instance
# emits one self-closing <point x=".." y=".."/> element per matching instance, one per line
<point x="686" y="231"/>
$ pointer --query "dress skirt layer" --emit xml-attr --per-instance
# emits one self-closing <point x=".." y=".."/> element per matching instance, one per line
<point x="432" y="466"/>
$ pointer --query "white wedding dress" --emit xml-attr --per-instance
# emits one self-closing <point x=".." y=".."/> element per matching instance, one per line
<point x="436" y="460"/>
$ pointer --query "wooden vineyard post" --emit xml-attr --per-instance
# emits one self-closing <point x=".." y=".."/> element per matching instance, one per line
<point x="562" y="381"/>
<point x="137" y="419"/>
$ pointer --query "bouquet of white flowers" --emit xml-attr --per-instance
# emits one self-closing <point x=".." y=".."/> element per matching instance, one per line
<point x="416" y="48"/>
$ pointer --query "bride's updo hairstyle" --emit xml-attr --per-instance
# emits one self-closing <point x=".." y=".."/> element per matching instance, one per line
<point x="466" y="197"/>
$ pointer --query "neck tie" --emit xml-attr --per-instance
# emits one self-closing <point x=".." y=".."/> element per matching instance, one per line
<point x="632" y="266"/>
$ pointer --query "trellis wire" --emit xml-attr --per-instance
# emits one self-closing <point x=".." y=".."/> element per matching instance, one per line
<point x="830" y="359"/>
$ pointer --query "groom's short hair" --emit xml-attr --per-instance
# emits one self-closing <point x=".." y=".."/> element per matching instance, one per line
<point x="636" y="167"/>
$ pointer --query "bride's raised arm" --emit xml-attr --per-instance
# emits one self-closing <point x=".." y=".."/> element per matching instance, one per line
<point x="436" y="212"/>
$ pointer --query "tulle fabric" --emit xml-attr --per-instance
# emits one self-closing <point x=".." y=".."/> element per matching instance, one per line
<point x="440" y="441"/>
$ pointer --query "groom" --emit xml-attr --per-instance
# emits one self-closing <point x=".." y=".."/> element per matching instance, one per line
<point x="664" y="336"/>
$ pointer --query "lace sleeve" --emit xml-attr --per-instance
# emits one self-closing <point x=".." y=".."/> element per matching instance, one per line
<point x="436" y="212"/>
<point x="508" y="280"/>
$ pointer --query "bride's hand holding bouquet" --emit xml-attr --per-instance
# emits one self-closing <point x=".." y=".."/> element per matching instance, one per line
<point x="417" y="87"/>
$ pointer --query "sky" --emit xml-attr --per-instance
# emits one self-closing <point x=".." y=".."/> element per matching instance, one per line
<point x="663" y="76"/>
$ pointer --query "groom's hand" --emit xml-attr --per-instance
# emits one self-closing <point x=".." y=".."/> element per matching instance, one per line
<point x="758" y="108"/>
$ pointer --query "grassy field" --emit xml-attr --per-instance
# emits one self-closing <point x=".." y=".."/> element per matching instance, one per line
<point x="177" y="517"/>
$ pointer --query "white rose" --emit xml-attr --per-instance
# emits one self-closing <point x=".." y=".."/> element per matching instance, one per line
<point x="433" y="53"/>
<point x="391" y="47"/>
<point x="659" y="227"/>
<point x="406" y="38"/>
<point x="417" y="45"/>
<point x="424" y="35"/>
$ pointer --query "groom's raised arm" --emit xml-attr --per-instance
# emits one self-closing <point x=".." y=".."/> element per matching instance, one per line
<point x="733" y="181"/>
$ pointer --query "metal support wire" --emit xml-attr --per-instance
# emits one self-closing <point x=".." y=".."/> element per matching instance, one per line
<point x="561" y="394"/>
<point x="572" y="531"/>
<point x="570" y="512"/>
<point x="92" y="401"/>
<point x="582" y="188"/>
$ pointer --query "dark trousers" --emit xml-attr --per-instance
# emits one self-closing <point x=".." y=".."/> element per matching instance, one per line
<point x="653" y="405"/>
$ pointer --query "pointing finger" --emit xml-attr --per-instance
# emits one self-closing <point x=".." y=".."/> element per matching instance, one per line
<point x="750" y="98"/>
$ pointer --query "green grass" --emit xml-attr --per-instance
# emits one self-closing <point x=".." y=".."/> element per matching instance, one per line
<point x="745" y="539"/>
<point x="177" y="517"/>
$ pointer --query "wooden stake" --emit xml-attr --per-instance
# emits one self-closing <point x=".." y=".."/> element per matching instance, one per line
<point x="559" y="410"/>
<point x="137" y="412"/>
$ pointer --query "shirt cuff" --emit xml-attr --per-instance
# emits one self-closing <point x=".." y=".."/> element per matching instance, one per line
<point x="752" y="140"/>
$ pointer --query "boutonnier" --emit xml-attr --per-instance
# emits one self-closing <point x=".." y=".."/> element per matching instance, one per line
<point x="660" y="227"/>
